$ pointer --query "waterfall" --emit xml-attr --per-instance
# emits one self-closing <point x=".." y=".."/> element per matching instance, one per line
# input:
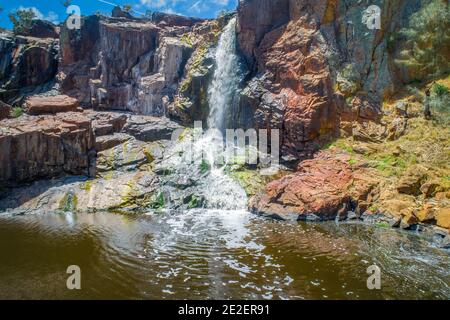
<point x="212" y="184"/>
<point x="225" y="83"/>
<point x="222" y="191"/>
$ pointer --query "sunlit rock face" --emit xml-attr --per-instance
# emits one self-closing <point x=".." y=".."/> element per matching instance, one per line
<point x="123" y="64"/>
<point x="310" y="61"/>
<point x="36" y="147"/>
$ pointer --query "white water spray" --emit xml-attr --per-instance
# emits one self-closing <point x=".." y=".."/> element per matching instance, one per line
<point x="226" y="78"/>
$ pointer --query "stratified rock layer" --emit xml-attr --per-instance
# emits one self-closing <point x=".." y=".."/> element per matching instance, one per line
<point x="322" y="188"/>
<point x="36" y="147"/>
<point x="37" y="105"/>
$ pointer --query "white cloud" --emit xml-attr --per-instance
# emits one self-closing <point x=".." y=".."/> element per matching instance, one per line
<point x="154" y="3"/>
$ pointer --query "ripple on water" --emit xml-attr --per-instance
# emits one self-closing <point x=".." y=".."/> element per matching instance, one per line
<point x="213" y="254"/>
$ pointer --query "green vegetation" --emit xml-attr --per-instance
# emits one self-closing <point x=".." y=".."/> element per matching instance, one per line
<point x="348" y="80"/>
<point x="195" y="202"/>
<point x="158" y="201"/>
<point x="66" y="3"/>
<point x="127" y="8"/>
<point x="16" y="112"/>
<point x="383" y="224"/>
<point x="440" y="103"/>
<point x="198" y="58"/>
<point x="86" y="186"/>
<point x="204" y="167"/>
<point x="187" y="40"/>
<point x="69" y="202"/>
<point x="22" y="20"/>
<point x="428" y="40"/>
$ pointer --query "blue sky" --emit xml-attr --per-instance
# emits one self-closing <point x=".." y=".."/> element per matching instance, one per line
<point x="53" y="10"/>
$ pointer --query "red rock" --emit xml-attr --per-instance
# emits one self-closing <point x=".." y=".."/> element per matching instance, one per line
<point x="37" y="105"/>
<point x="324" y="186"/>
<point x="36" y="147"/>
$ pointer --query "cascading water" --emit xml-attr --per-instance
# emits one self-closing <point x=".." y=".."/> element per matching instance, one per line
<point x="218" y="190"/>
<point x="225" y="84"/>
<point x="223" y="192"/>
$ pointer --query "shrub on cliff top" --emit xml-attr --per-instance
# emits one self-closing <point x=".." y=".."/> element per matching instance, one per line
<point x="22" y="20"/>
<point x="428" y="40"/>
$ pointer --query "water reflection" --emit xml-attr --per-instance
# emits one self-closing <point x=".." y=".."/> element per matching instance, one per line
<point x="213" y="254"/>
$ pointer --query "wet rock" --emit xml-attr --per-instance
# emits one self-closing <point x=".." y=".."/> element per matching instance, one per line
<point x="36" y="147"/>
<point x="150" y="129"/>
<point x="37" y="105"/>
<point x="128" y="156"/>
<point x="117" y="192"/>
<point x="352" y="215"/>
<point x="408" y="220"/>
<point x="445" y="243"/>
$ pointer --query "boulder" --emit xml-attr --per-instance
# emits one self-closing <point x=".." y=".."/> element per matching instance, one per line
<point x="150" y="129"/>
<point x="117" y="12"/>
<point x="106" y="142"/>
<point x="427" y="213"/>
<point x="323" y="188"/>
<point x="37" y="105"/>
<point x="5" y="110"/>
<point x="411" y="181"/>
<point x="35" y="147"/>
<point x="118" y="192"/>
<point x="174" y="19"/>
<point x="41" y="29"/>
<point x="106" y="123"/>
<point x="443" y="218"/>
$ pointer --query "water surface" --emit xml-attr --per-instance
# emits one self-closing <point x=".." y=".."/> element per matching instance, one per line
<point x="213" y="254"/>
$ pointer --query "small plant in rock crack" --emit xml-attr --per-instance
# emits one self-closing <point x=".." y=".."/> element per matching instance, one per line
<point x="204" y="167"/>
<point x="158" y="202"/>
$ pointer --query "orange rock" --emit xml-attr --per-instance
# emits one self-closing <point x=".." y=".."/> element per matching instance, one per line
<point x="37" y="105"/>
<point x="443" y="218"/>
<point x="322" y="186"/>
<point x="427" y="213"/>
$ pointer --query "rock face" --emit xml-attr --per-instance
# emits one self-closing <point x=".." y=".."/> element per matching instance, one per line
<point x="317" y="68"/>
<point x="28" y="66"/>
<point x="150" y="129"/>
<point x="123" y="64"/>
<point x="174" y="20"/>
<point x="36" y="147"/>
<point x="41" y="29"/>
<point x="323" y="188"/>
<point x="37" y="105"/>
<point x="5" y="110"/>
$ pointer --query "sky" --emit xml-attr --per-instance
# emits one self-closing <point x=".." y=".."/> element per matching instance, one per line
<point x="54" y="11"/>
